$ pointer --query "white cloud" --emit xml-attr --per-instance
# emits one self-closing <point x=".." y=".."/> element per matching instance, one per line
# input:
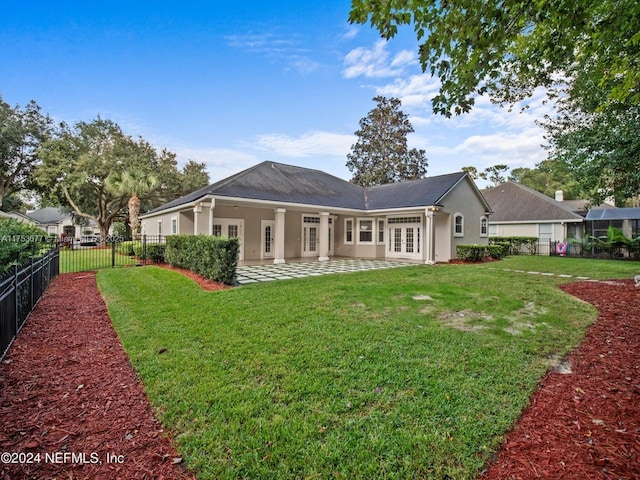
<point x="315" y="143"/>
<point x="220" y="163"/>
<point x="415" y="91"/>
<point x="376" y="62"/>
<point x="277" y="47"/>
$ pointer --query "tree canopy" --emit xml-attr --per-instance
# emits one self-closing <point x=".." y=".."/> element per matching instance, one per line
<point x="381" y="154"/>
<point x="22" y="131"/>
<point x="80" y="163"/>
<point x="507" y="48"/>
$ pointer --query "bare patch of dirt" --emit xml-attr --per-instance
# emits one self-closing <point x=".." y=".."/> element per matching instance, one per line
<point x="463" y="319"/>
<point x="71" y="406"/>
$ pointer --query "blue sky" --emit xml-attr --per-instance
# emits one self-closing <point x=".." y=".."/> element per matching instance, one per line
<point x="233" y="84"/>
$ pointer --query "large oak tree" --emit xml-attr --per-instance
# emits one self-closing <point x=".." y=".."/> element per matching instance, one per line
<point x="381" y="154"/>
<point x="22" y="131"/>
<point x="80" y="167"/>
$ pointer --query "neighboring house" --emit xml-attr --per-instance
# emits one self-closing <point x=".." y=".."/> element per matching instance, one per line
<point x="18" y="216"/>
<point x="522" y="211"/>
<point x="55" y="221"/>
<point x="282" y="212"/>
<point x="599" y="220"/>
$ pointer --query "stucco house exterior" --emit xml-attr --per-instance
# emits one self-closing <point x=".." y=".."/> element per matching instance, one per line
<point x="282" y="212"/>
<point x="522" y="211"/>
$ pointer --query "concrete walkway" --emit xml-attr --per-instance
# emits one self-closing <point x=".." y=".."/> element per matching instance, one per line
<point x="268" y="272"/>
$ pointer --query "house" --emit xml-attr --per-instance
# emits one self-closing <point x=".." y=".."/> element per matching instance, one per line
<point x="56" y="221"/>
<point x="17" y="216"/>
<point x="522" y="211"/>
<point x="283" y="212"/>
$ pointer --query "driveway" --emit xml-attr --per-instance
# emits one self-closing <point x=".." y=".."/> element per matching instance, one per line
<point x="268" y="272"/>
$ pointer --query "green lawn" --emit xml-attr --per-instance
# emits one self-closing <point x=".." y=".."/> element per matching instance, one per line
<point x="83" y="259"/>
<point x="406" y="373"/>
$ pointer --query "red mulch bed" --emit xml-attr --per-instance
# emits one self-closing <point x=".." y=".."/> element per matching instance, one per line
<point x="204" y="282"/>
<point x="67" y="387"/>
<point x="585" y="425"/>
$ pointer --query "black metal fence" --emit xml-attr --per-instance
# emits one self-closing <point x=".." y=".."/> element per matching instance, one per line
<point x="21" y="286"/>
<point x="93" y="253"/>
<point x="602" y="250"/>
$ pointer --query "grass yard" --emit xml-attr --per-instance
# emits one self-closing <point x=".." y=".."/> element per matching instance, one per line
<point x="82" y="259"/>
<point x="412" y="372"/>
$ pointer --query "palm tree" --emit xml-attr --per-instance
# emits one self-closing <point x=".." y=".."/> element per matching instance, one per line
<point x="132" y="182"/>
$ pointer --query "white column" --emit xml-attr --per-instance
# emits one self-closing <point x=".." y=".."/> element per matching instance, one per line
<point x="211" y="207"/>
<point x="430" y="236"/>
<point x="278" y="238"/>
<point x="197" y="209"/>
<point x="323" y="244"/>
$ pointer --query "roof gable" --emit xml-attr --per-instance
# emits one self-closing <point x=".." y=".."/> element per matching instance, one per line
<point x="414" y="193"/>
<point x="512" y="202"/>
<point x="277" y="182"/>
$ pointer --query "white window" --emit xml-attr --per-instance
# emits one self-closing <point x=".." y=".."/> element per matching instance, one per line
<point x="458" y="225"/>
<point x="381" y="231"/>
<point x="545" y="231"/>
<point x="348" y="230"/>
<point x="217" y="230"/>
<point x="174" y="225"/>
<point x="159" y="227"/>
<point x="484" y="225"/>
<point x="365" y="231"/>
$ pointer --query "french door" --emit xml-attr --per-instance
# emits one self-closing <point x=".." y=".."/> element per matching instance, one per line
<point x="404" y="240"/>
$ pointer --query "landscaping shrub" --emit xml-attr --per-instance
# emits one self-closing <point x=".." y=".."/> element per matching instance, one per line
<point x="471" y="253"/>
<point x="128" y="247"/>
<point x="19" y="241"/>
<point x="213" y="257"/>
<point x="517" y="244"/>
<point x="475" y="253"/>
<point x="495" y="251"/>
<point x="153" y="251"/>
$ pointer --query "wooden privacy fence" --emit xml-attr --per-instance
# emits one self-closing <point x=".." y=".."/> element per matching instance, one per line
<point x="21" y="286"/>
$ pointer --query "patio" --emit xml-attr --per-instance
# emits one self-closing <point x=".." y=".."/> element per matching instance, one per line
<point x="299" y="269"/>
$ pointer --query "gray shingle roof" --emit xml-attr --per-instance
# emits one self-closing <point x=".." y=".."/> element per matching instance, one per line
<point x="277" y="182"/>
<point x="48" y="215"/>
<point x="512" y="202"/>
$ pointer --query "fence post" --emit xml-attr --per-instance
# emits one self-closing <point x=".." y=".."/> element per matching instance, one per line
<point x="15" y="296"/>
<point x="113" y="254"/>
<point x="144" y="250"/>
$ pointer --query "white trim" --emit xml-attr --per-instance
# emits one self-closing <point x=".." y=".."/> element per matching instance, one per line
<point x="455" y="233"/>
<point x="353" y="223"/>
<point x="373" y="229"/>
<point x="485" y="220"/>
<point x="175" y="226"/>
<point x="263" y="238"/>
<point x="382" y="222"/>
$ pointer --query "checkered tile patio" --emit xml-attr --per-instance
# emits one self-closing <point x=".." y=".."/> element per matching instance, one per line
<point x="263" y="273"/>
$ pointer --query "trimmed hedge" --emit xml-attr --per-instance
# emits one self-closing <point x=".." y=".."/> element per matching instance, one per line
<point x="154" y="251"/>
<point x="475" y="253"/>
<point x="215" y="258"/>
<point x="516" y="244"/>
